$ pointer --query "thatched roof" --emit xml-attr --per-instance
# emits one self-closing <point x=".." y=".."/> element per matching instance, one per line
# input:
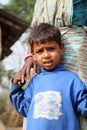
<point x="11" y="27"/>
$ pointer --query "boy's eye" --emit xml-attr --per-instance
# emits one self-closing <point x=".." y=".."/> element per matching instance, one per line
<point x="51" y="49"/>
<point x="39" y="51"/>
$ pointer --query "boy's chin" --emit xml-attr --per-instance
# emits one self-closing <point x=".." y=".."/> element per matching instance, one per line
<point x="49" y="68"/>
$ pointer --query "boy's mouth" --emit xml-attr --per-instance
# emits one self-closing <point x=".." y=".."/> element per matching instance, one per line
<point x="48" y="63"/>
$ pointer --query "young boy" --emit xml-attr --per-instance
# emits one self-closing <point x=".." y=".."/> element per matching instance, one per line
<point x="55" y="97"/>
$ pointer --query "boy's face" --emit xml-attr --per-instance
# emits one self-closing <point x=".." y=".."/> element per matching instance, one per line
<point x="48" y="55"/>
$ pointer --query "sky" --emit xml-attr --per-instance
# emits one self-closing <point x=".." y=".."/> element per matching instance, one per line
<point x="4" y="1"/>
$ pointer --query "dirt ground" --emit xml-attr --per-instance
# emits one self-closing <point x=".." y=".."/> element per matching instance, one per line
<point x="11" y="120"/>
<point x="2" y="127"/>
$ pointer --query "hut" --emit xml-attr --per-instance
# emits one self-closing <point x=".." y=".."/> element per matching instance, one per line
<point x="11" y="28"/>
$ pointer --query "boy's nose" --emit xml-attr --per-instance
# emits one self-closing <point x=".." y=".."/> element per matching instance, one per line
<point x="46" y="54"/>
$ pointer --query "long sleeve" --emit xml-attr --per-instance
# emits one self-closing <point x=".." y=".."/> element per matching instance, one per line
<point x="20" y="99"/>
<point x="80" y="97"/>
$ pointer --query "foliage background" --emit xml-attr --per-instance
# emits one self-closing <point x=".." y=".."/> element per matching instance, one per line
<point x="21" y="8"/>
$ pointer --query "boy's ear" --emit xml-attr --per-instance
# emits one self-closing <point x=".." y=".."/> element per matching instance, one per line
<point x="62" y="49"/>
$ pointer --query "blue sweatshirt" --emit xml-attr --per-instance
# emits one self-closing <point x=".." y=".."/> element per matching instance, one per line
<point x="52" y="100"/>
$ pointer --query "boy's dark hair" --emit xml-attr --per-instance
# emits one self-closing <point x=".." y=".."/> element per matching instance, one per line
<point x="44" y="32"/>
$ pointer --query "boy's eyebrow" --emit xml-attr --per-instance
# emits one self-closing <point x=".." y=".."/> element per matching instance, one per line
<point x="37" y="49"/>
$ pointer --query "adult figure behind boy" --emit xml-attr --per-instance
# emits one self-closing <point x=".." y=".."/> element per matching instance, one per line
<point x="44" y="101"/>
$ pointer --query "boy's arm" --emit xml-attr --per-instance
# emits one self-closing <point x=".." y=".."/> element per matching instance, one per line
<point x="80" y="97"/>
<point x="19" y="98"/>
